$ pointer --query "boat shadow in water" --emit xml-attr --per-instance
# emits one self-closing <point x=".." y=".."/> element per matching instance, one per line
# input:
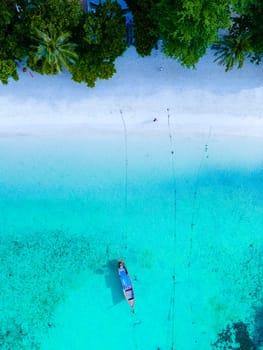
<point x="112" y="281"/>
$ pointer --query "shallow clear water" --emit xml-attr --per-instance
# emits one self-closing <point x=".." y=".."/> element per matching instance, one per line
<point x="185" y="213"/>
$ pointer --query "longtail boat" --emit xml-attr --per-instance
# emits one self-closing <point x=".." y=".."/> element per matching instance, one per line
<point x="126" y="283"/>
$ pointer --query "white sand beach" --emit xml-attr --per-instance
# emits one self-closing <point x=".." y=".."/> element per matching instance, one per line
<point x="143" y="89"/>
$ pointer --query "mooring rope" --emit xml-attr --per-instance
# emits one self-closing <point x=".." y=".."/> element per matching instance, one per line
<point x="134" y="323"/>
<point x="195" y="210"/>
<point x="125" y="133"/>
<point x="171" y="314"/>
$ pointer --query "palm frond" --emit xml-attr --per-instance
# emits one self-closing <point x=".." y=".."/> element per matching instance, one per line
<point x="233" y="50"/>
<point x="53" y="50"/>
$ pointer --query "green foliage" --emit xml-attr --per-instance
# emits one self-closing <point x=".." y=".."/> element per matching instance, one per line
<point x="64" y="15"/>
<point x="89" y="69"/>
<point x="105" y="30"/>
<point x="240" y="6"/>
<point x="11" y="44"/>
<point x="104" y="39"/>
<point x="233" y="51"/>
<point x="254" y="23"/>
<point x="7" y="70"/>
<point x="52" y="52"/>
<point x="245" y="38"/>
<point x="25" y="31"/>
<point x="145" y="25"/>
<point x="189" y="27"/>
<point x="6" y="13"/>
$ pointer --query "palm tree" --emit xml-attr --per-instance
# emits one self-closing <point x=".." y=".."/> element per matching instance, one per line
<point x="233" y="50"/>
<point x="53" y="51"/>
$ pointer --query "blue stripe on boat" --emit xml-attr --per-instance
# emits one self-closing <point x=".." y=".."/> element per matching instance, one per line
<point x="125" y="280"/>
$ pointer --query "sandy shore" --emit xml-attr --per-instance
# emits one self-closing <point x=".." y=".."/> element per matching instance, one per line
<point x="144" y="92"/>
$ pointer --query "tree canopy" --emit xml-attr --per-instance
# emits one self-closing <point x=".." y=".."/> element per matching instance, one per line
<point x="55" y="35"/>
<point x="245" y="36"/>
<point x="145" y="25"/>
<point x="50" y="36"/>
<point x="11" y="47"/>
<point x="189" y="27"/>
<point x="103" y="40"/>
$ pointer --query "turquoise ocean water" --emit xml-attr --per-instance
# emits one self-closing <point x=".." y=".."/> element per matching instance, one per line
<point x="185" y="213"/>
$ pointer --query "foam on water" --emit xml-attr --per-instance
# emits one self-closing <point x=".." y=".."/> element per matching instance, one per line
<point x="68" y="212"/>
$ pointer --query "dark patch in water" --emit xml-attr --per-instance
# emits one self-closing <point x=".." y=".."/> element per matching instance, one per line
<point x="258" y="327"/>
<point x="235" y="336"/>
<point x="14" y="337"/>
<point x="37" y="270"/>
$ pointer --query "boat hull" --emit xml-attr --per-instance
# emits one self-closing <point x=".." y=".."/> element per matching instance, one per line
<point x="126" y="283"/>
